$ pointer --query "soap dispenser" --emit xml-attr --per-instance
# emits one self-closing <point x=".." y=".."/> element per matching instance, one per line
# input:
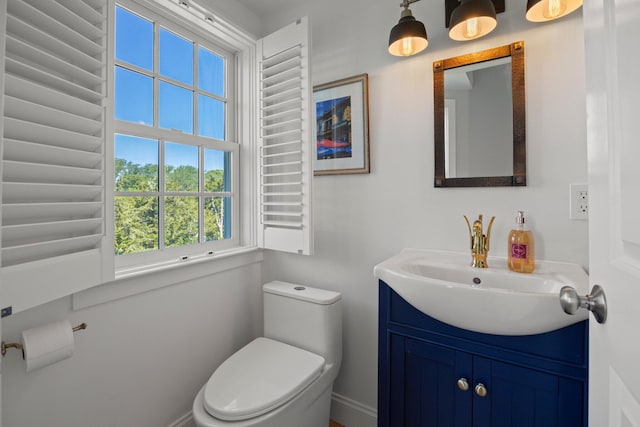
<point x="521" y="247"/>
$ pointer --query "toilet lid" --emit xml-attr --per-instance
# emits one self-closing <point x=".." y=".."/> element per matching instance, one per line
<point x="258" y="378"/>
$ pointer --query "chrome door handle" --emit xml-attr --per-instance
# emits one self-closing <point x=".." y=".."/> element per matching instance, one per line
<point x="463" y="384"/>
<point x="595" y="302"/>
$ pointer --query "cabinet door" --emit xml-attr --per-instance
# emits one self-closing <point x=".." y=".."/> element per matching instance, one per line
<point x="523" y="397"/>
<point x="424" y="387"/>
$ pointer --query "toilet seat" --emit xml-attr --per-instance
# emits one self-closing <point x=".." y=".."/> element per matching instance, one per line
<point x="258" y="378"/>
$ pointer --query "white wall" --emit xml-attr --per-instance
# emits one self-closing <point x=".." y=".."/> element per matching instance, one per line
<point x="235" y="13"/>
<point x="363" y="219"/>
<point x="141" y="360"/>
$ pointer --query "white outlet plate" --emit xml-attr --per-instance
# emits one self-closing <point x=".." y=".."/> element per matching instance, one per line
<point x="579" y="201"/>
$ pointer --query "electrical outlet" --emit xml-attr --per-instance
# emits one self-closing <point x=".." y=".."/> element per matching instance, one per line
<point x="579" y="201"/>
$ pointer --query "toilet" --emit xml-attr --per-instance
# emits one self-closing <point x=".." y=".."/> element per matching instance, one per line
<point x="285" y="377"/>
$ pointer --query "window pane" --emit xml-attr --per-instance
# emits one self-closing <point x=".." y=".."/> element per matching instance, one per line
<point x="181" y="167"/>
<point x="176" y="108"/>
<point x="171" y="187"/>
<point x="176" y="57"/>
<point x="136" y="221"/>
<point x="133" y="97"/>
<point x="210" y="117"/>
<point x="217" y="218"/>
<point x="134" y="39"/>
<point x="180" y="221"/>
<point x="217" y="169"/>
<point x="210" y="72"/>
<point x="136" y="164"/>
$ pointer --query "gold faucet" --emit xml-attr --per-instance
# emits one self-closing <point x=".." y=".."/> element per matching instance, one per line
<point x="479" y="242"/>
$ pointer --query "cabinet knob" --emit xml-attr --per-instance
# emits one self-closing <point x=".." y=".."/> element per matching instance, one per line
<point x="481" y="390"/>
<point x="463" y="384"/>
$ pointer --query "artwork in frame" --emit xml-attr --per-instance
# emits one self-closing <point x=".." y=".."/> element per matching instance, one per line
<point x="342" y="126"/>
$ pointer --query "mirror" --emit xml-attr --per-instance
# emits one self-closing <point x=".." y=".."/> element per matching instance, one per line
<point x="479" y="113"/>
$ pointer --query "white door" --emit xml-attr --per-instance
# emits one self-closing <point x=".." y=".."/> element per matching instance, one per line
<point x="612" y="33"/>
<point x="0" y="380"/>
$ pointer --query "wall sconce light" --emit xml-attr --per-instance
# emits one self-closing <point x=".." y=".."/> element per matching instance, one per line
<point x="472" y="19"/>
<point x="408" y="36"/>
<point x="468" y="20"/>
<point x="547" y="10"/>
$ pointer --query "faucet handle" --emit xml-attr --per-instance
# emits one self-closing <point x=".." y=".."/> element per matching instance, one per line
<point x="468" y="224"/>
<point x="470" y="231"/>
<point x="487" y="241"/>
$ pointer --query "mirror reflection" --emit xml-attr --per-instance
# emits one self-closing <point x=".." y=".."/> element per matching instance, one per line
<point x="479" y="118"/>
<point x="478" y="122"/>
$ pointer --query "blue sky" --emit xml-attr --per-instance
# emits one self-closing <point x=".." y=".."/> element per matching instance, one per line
<point x="134" y="92"/>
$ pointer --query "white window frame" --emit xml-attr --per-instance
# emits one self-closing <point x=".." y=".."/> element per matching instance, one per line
<point x="238" y="49"/>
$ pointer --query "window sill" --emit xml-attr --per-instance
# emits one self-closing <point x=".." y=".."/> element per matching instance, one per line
<point x="133" y="282"/>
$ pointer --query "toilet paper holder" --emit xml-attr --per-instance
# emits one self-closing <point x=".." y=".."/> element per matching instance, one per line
<point x="4" y="346"/>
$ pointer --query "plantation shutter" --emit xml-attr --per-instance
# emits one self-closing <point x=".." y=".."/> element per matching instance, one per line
<point x="284" y="140"/>
<point x="53" y="238"/>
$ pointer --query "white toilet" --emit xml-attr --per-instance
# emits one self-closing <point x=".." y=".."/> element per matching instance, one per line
<point x="285" y="378"/>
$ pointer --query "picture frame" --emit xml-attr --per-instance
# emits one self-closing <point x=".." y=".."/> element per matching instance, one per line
<point x="341" y="124"/>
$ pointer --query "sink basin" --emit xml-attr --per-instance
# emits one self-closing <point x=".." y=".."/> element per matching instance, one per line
<point x="490" y="300"/>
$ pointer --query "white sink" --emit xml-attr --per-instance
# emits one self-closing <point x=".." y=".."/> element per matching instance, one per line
<point x="490" y="300"/>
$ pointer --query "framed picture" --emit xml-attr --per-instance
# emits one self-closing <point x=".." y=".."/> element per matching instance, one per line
<point x="342" y="126"/>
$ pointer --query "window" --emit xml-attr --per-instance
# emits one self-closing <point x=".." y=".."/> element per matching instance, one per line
<point x="187" y="96"/>
<point x="174" y="155"/>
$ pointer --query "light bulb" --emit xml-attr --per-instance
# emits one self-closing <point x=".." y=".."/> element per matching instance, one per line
<point x="555" y="8"/>
<point x="471" y="28"/>
<point x="407" y="46"/>
<point x="547" y="10"/>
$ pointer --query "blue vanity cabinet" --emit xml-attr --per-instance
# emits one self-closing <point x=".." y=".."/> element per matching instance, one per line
<point x="530" y="381"/>
<point x="423" y="388"/>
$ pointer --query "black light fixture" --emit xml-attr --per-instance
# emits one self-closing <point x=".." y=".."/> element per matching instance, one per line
<point x="547" y="10"/>
<point x="408" y="36"/>
<point x="472" y="19"/>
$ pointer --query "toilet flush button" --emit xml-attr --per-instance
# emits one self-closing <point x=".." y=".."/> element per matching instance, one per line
<point x="299" y="288"/>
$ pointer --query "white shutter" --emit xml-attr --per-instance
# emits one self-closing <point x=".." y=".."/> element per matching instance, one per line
<point x="284" y="140"/>
<point x="53" y="150"/>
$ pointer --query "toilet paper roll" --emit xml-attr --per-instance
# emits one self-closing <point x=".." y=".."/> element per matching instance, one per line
<point x="47" y="344"/>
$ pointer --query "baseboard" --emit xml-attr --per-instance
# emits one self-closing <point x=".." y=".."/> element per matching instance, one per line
<point x="351" y="413"/>
<point x="345" y="411"/>
<point x="185" y="421"/>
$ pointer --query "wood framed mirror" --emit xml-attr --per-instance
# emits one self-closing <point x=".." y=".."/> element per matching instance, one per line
<point x="479" y="113"/>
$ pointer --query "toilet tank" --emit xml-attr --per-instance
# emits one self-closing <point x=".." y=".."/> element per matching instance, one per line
<point x="305" y="317"/>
